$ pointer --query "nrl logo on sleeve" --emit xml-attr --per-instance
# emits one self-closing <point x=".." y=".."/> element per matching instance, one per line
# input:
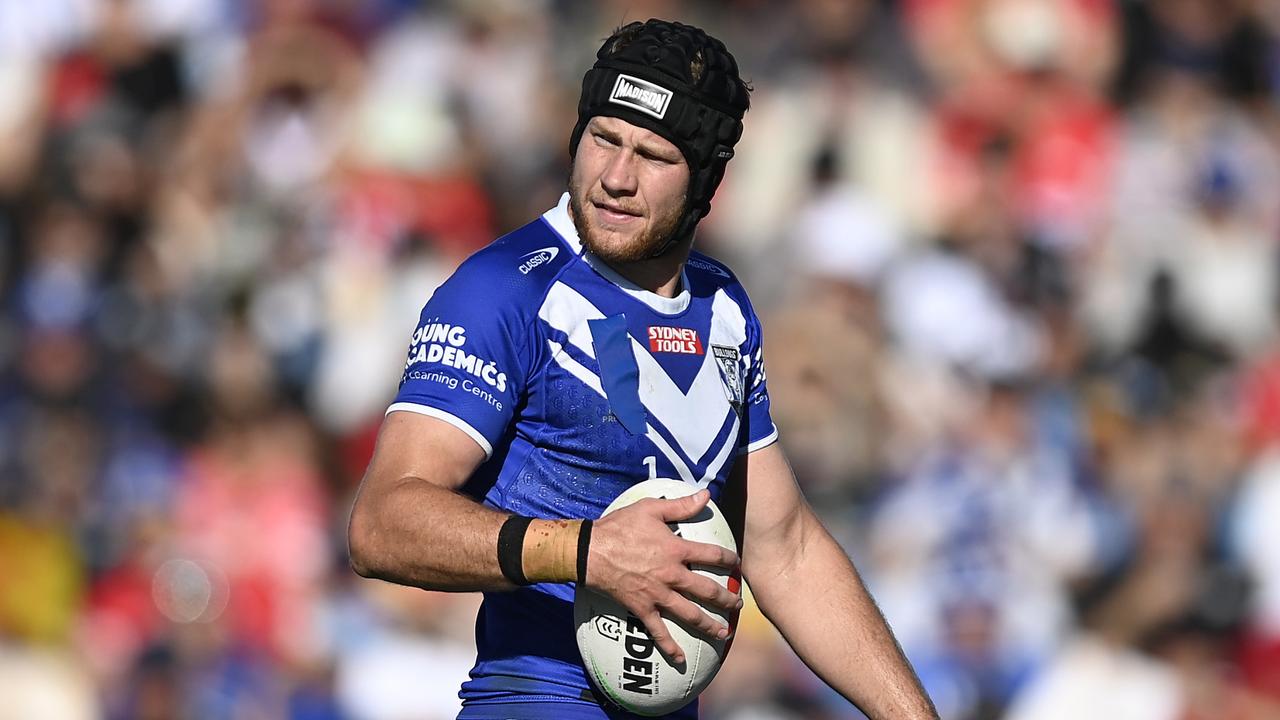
<point x="641" y="95"/>
<point x="727" y="358"/>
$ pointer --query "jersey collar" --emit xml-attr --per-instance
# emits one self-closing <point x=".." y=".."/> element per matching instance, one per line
<point x="559" y="220"/>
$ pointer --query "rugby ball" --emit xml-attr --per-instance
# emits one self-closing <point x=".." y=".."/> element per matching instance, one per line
<point x="618" y="652"/>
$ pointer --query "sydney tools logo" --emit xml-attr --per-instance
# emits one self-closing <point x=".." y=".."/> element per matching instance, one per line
<point x="674" y="340"/>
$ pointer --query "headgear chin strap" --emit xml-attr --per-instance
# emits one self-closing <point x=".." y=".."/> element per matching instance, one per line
<point x="680" y="83"/>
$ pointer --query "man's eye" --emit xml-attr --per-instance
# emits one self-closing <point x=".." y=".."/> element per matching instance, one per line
<point x="605" y="140"/>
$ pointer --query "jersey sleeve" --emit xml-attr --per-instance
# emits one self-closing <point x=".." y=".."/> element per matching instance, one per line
<point x="759" y="428"/>
<point x="467" y="362"/>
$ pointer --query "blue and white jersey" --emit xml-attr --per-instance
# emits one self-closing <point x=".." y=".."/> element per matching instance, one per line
<point x="578" y="384"/>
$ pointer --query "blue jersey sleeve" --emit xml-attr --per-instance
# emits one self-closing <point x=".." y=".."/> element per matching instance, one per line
<point x="760" y="430"/>
<point x="468" y="358"/>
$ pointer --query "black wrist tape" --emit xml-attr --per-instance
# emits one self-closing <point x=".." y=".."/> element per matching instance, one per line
<point x="511" y="548"/>
<point x="584" y="545"/>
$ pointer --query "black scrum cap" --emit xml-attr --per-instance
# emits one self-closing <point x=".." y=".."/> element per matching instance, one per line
<point x="680" y="83"/>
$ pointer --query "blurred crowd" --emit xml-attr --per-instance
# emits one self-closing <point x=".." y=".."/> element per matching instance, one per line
<point x="1018" y="263"/>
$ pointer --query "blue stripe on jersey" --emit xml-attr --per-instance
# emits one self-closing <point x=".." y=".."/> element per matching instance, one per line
<point x="618" y="372"/>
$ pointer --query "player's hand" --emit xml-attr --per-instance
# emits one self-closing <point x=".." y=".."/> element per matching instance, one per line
<point x="635" y="558"/>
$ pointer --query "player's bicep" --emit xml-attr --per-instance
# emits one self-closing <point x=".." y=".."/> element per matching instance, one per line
<point x="418" y="464"/>
<point x="767" y="510"/>
<point x="413" y="445"/>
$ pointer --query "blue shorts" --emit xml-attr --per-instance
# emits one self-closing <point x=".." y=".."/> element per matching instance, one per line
<point x="557" y="709"/>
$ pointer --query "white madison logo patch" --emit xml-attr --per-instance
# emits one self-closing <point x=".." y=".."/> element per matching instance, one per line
<point x="641" y="95"/>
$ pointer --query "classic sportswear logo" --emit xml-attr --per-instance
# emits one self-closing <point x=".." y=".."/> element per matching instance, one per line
<point x="641" y="95"/>
<point x="674" y="340"/>
<point x="706" y="266"/>
<point x="537" y="257"/>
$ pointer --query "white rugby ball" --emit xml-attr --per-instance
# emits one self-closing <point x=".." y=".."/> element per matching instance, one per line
<point x="620" y="655"/>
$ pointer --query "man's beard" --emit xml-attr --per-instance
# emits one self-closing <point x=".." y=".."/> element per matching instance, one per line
<point x="644" y="247"/>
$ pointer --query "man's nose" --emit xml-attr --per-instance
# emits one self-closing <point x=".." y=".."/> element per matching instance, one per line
<point x="619" y="176"/>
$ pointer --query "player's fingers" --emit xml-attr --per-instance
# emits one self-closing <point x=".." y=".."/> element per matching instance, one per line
<point x="661" y="637"/>
<point x="703" y="588"/>
<point x="695" y="618"/>
<point x="708" y="554"/>
<point x="683" y="508"/>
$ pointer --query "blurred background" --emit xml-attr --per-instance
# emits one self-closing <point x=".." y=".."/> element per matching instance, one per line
<point x="1017" y="263"/>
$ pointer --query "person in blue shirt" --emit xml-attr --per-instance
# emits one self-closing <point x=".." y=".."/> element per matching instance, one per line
<point x="585" y="352"/>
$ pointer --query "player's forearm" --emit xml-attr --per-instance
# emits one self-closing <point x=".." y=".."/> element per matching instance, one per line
<point x="815" y="598"/>
<point x="414" y="532"/>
